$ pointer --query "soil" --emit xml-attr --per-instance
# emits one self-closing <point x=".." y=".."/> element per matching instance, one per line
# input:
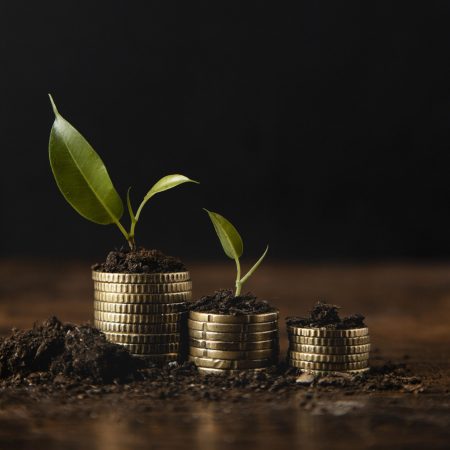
<point x="76" y="362"/>
<point x="225" y="302"/>
<point x="139" y="261"/>
<point x="326" y="315"/>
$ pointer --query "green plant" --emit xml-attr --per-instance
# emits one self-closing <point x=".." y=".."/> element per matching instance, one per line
<point x="84" y="181"/>
<point x="233" y="246"/>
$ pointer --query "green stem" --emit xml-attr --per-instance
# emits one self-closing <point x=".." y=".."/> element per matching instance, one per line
<point x="128" y="237"/>
<point x="238" y="278"/>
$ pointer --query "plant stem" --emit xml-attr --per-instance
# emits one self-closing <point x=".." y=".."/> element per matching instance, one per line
<point x="128" y="237"/>
<point x="238" y="278"/>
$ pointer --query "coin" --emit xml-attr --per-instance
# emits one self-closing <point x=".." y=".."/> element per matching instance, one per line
<point x="140" y="309"/>
<point x="328" y="366"/>
<point x="158" y="357"/>
<point x="233" y="337"/>
<point x="228" y="372"/>
<point x="156" y="328"/>
<point x="138" y="318"/>
<point x="124" y="288"/>
<point x="235" y="346"/>
<point x="114" y="297"/>
<point x="330" y="350"/>
<point x="129" y="338"/>
<point x="329" y="341"/>
<point x="228" y="318"/>
<point x="140" y="278"/>
<point x="145" y="349"/>
<point x="328" y="372"/>
<point x="232" y="327"/>
<point x="325" y="332"/>
<point x="234" y="355"/>
<point x="230" y="364"/>
<point x="314" y="357"/>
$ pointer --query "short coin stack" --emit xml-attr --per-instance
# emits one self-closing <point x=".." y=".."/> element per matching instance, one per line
<point x="225" y="343"/>
<point x="323" y="350"/>
<point x="146" y="313"/>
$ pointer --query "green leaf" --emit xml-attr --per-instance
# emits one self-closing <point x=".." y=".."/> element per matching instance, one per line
<point x="164" y="184"/>
<point x="81" y="175"/>
<point x="252" y="270"/>
<point x="229" y="237"/>
<point x="130" y="208"/>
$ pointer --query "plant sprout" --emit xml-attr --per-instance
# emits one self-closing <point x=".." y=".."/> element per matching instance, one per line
<point x="233" y="246"/>
<point x="84" y="181"/>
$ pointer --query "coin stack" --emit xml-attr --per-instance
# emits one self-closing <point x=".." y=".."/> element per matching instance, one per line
<point x="323" y="350"/>
<point x="227" y="344"/>
<point x="146" y="313"/>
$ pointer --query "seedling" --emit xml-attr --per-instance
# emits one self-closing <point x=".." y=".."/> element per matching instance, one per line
<point x="233" y="246"/>
<point x="83" y="179"/>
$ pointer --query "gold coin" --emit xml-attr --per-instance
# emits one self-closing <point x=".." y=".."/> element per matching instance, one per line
<point x="228" y="372"/>
<point x="140" y="278"/>
<point x="153" y="349"/>
<point x="329" y="341"/>
<point x="330" y="350"/>
<point x="325" y="332"/>
<point x="222" y="354"/>
<point x="328" y="372"/>
<point x="230" y="364"/>
<point x="158" y="357"/>
<point x="128" y="338"/>
<point x="232" y="327"/>
<point x="328" y="366"/>
<point x="123" y="288"/>
<point x="228" y="318"/>
<point x="233" y="337"/>
<point x="113" y="297"/>
<point x="140" y="309"/>
<point x="156" y="328"/>
<point x="138" y="318"/>
<point x="234" y="346"/>
<point x="314" y="357"/>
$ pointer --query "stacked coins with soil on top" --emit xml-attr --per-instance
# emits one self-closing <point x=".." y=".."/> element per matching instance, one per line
<point x="229" y="343"/>
<point x="324" y="343"/>
<point x="144" y="312"/>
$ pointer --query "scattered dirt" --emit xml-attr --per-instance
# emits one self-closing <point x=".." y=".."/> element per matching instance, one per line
<point x="224" y="302"/>
<point x="69" y="363"/>
<point x="139" y="261"/>
<point x="326" y="315"/>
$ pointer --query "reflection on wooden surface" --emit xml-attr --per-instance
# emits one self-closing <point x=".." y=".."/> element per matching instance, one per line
<point x="407" y="309"/>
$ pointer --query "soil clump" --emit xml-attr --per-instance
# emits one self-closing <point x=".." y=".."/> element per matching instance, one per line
<point x="139" y="261"/>
<point x="225" y="302"/>
<point x="324" y="315"/>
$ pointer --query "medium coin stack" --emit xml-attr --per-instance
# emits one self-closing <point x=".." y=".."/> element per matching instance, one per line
<point x="323" y="350"/>
<point x="146" y="313"/>
<point x="227" y="344"/>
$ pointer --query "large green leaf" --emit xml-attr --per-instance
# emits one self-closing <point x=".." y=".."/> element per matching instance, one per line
<point x="164" y="184"/>
<point x="229" y="237"/>
<point x="81" y="175"/>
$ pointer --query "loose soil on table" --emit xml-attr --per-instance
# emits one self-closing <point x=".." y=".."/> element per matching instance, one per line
<point x="139" y="261"/>
<point x="225" y="302"/>
<point x="324" y="315"/>
<point x="66" y="363"/>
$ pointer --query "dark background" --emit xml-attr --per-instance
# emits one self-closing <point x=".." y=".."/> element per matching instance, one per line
<point x="322" y="129"/>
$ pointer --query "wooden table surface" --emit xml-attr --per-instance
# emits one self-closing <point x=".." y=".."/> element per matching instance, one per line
<point x="407" y="309"/>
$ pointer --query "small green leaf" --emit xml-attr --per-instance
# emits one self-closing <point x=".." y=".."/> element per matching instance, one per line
<point x="164" y="184"/>
<point x="81" y="175"/>
<point x="229" y="237"/>
<point x="252" y="270"/>
<point x="130" y="208"/>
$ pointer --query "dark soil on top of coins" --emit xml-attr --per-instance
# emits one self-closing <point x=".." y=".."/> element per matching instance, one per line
<point x="225" y="302"/>
<point x="324" y="315"/>
<point x="139" y="261"/>
<point x="72" y="364"/>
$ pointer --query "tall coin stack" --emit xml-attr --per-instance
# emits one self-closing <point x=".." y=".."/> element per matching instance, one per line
<point x="323" y="350"/>
<point x="146" y="313"/>
<point x="227" y="344"/>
